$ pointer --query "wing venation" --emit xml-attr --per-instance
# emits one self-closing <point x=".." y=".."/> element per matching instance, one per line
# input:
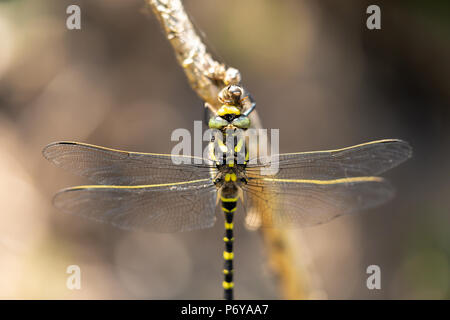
<point x="284" y="202"/>
<point x="159" y="208"/>
<point x="115" y="167"/>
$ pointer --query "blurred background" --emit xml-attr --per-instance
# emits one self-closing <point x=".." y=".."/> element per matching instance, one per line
<point x="317" y="73"/>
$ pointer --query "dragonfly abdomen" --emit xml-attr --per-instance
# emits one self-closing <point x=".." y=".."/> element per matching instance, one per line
<point x="228" y="207"/>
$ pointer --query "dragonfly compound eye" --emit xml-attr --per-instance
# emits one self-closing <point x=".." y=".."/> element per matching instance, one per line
<point x="217" y="123"/>
<point x="242" y="122"/>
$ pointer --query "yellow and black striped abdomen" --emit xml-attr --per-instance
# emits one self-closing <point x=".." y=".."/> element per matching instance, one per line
<point x="228" y="207"/>
<point x="230" y="153"/>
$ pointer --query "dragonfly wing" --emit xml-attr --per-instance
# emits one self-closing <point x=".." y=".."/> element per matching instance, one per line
<point x="115" y="167"/>
<point x="161" y="208"/>
<point x="367" y="159"/>
<point x="290" y="202"/>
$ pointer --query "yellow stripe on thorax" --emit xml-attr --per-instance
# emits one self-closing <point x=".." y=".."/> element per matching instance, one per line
<point x="239" y="145"/>
<point x="222" y="146"/>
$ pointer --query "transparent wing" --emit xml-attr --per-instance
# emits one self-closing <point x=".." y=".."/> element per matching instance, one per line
<point x="285" y="202"/>
<point x="161" y="208"/>
<point x="367" y="159"/>
<point x="115" y="167"/>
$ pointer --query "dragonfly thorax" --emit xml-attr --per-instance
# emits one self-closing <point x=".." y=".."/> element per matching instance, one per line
<point x="229" y="146"/>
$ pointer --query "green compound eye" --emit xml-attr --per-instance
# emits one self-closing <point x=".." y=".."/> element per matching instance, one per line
<point x="242" y="122"/>
<point x="217" y="123"/>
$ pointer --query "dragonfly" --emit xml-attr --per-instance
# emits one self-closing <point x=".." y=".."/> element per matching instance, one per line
<point x="173" y="193"/>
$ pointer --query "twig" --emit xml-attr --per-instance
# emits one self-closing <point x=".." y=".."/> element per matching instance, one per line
<point x="206" y="75"/>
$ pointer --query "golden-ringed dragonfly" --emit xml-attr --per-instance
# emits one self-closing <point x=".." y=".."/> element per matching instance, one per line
<point x="150" y="192"/>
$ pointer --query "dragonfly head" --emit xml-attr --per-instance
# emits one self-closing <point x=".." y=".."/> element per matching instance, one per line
<point x="230" y="114"/>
